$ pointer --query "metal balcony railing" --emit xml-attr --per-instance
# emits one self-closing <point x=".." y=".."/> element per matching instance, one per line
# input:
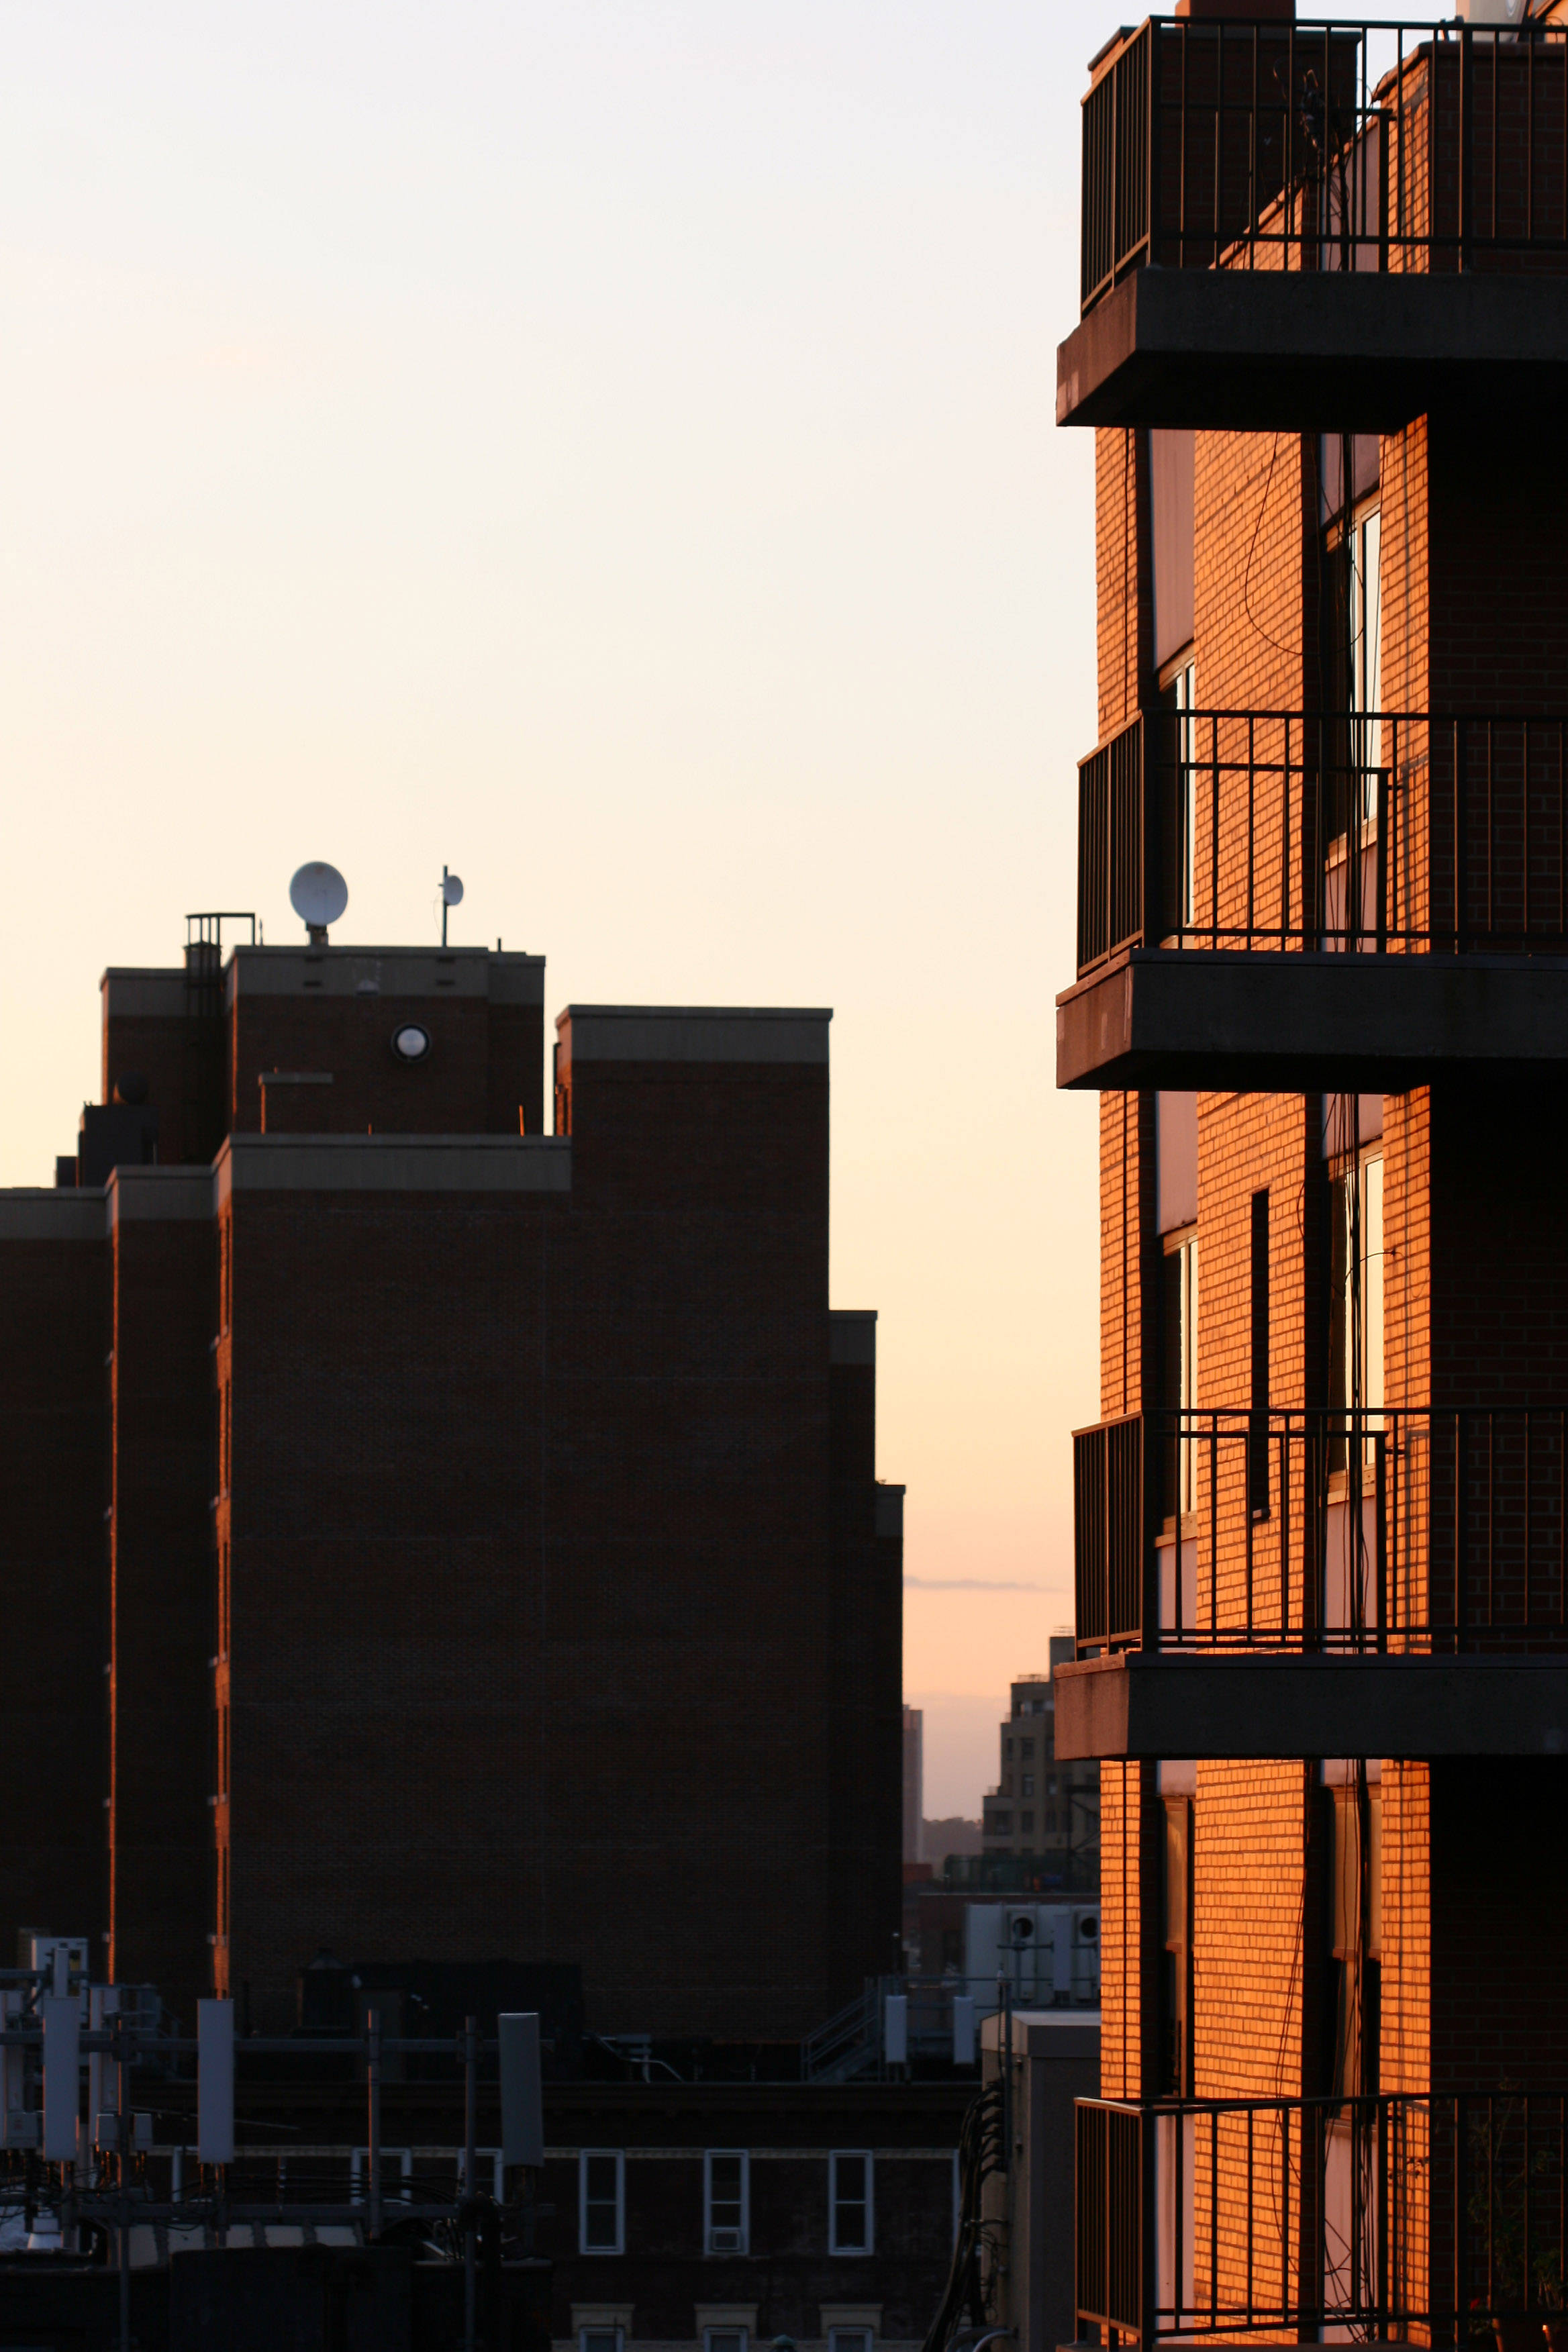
<point x="1386" y="832"/>
<point x="1367" y="145"/>
<point x="1400" y="1530"/>
<point x="1378" y="2216"/>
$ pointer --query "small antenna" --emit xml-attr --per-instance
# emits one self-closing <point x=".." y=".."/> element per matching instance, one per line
<point x="317" y="895"/>
<point x="452" y="896"/>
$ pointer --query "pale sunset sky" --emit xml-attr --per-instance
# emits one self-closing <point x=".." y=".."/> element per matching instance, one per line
<point x="606" y="448"/>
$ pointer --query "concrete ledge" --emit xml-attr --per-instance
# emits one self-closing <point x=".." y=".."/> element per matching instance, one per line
<point x="49" y="1215"/>
<point x="139" y="993"/>
<point x="1138" y="1704"/>
<point x="1309" y="351"/>
<point x="1300" y="1023"/>
<point x="852" y="1335"/>
<point x="690" y="1033"/>
<point x="362" y="972"/>
<point x="160" y="1195"/>
<point x="392" y="1163"/>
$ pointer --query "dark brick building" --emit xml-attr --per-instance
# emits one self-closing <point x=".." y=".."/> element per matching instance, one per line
<point x="1322" y="993"/>
<point x="433" y="1537"/>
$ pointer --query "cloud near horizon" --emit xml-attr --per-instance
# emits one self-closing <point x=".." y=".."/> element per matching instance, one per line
<point x="966" y="1584"/>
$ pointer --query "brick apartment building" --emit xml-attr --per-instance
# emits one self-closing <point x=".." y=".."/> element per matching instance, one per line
<point x="405" y="1505"/>
<point x="1321" y="1526"/>
<point x="1043" y="1810"/>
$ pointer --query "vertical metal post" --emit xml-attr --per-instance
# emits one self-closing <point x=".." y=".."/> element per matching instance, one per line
<point x="1467" y="146"/>
<point x="443" y="906"/>
<point x="1148" y="2230"/>
<point x="470" y="2134"/>
<point x="373" y="2120"/>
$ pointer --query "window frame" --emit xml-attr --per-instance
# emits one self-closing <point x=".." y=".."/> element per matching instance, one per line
<point x="864" y="2338"/>
<point x="836" y="2156"/>
<point x="743" y="2158"/>
<point x="745" y="2333"/>
<point x="584" y="2157"/>
<point x="619" y="2333"/>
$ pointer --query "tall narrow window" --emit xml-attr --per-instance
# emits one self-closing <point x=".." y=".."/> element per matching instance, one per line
<point x="601" y="2200"/>
<point x="850" y="2217"/>
<point x="1179" y="1373"/>
<point x="724" y="2187"/>
<point x="1354" y="1910"/>
<point x="1351" y="753"/>
<point x="1176" y="797"/>
<point x="1177" y="1990"/>
<point x="1257" y="1432"/>
<point x="1355" y="1275"/>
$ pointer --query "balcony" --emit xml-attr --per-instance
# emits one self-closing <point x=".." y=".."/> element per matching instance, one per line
<point x="1410" y="2216"/>
<point x="1283" y="1583"/>
<point x="1279" y="901"/>
<point x="1319" y="227"/>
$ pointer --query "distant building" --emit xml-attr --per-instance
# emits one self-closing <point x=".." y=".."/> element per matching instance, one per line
<point x="914" y="1785"/>
<point x="449" y="1480"/>
<point x="1042" y="1811"/>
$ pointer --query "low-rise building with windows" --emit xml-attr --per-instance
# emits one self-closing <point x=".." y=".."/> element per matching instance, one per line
<point x="719" y="2216"/>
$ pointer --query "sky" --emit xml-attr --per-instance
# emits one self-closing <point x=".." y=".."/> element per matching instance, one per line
<point x="607" y="449"/>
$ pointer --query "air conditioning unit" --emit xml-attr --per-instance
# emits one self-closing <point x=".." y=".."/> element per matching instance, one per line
<point x="1023" y="1930"/>
<point x="21" y="2128"/>
<point x="725" y="2241"/>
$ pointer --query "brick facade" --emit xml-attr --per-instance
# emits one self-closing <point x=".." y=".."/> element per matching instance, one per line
<point x="497" y="1561"/>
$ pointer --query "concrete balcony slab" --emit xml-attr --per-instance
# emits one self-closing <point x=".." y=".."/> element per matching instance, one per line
<point x="1287" y="1024"/>
<point x="1138" y="1704"/>
<point x="1311" y="351"/>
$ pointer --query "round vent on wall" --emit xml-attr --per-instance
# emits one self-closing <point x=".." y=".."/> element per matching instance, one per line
<point x="410" y="1043"/>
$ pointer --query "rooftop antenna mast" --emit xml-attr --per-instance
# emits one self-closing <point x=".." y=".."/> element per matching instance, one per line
<point x="452" y="896"/>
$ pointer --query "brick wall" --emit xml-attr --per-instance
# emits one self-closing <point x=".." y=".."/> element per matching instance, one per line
<point x="54" y="1334"/>
<point x="160" y="1582"/>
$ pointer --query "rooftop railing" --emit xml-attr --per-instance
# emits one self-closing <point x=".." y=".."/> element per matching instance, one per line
<point x="1379" y="2217"/>
<point x="1343" y="1531"/>
<point x="1368" y="145"/>
<point x="1382" y="832"/>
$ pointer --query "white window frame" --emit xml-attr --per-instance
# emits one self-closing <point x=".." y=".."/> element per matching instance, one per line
<point x="743" y="2158"/>
<point x="618" y="2156"/>
<point x="836" y="2156"/>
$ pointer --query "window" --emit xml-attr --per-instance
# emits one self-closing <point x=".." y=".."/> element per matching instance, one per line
<point x="849" y="2201"/>
<point x="1006" y="1751"/>
<point x="601" y="2200"/>
<point x="1028" y="1787"/>
<point x="726" y="2217"/>
<point x="1353" y="750"/>
<point x="1177" y="784"/>
<point x="1179" y="1372"/>
<point x="724" y="2339"/>
<point x="1354" y="1815"/>
<point x="999" y="1825"/>
<point x="1176" y="1959"/>
<point x="850" y="2339"/>
<point x="1257" y="1429"/>
<point x="601" y="2340"/>
<point x="1025" y="1825"/>
<point x="1355" y="1275"/>
<point x="1026" y="1750"/>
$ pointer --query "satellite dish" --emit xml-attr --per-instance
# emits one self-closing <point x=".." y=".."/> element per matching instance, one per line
<point x="317" y="895"/>
<point x="451" y="889"/>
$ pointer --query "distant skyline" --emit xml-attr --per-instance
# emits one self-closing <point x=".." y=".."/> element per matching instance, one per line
<point x="608" y="450"/>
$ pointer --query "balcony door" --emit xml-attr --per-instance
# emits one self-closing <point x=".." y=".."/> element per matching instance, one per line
<point x="1353" y="785"/>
